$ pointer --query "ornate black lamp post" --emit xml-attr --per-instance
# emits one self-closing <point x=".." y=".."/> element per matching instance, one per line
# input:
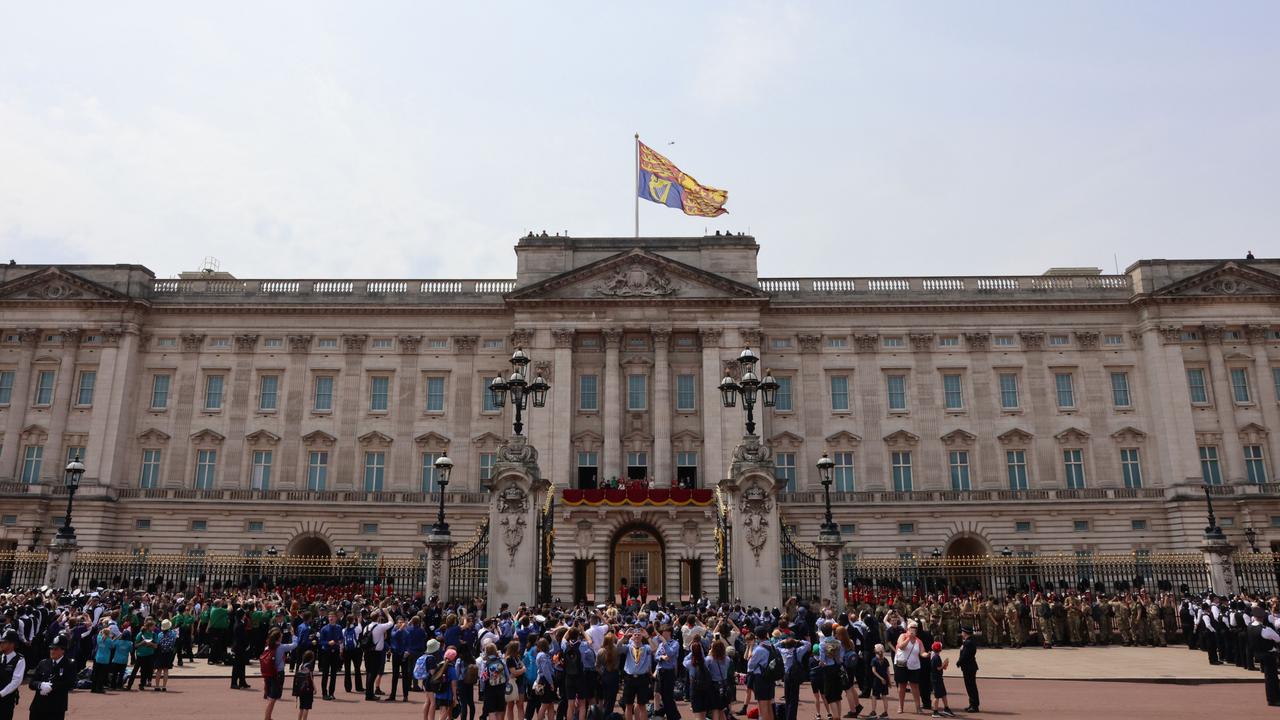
<point x="443" y="466"/>
<point x="272" y="552"/>
<point x="342" y="553"/>
<point x="520" y="389"/>
<point x="74" y="471"/>
<point x="830" y="530"/>
<point x="749" y="385"/>
<point x="1212" y="531"/>
<point x="1251" y="536"/>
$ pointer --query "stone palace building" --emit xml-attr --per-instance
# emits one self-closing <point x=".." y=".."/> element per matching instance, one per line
<point x="1070" y="412"/>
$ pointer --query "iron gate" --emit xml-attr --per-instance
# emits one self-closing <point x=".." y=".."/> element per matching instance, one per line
<point x="469" y="568"/>
<point x="801" y="569"/>
<point x="546" y="546"/>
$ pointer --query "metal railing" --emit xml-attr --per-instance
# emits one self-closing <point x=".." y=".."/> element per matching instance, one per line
<point x="804" y="497"/>
<point x="110" y="570"/>
<point x="1258" y="572"/>
<point x="326" y="288"/>
<point x="1108" y="285"/>
<point x="21" y="569"/>
<point x="342" y="496"/>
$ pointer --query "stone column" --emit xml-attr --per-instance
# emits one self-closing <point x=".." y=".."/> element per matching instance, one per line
<point x="1175" y="452"/>
<point x="1043" y="457"/>
<point x="1232" y="458"/>
<point x="612" y="405"/>
<point x="63" y="393"/>
<point x="662" y="408"/>
<point x="239" y="405"/>
<point x="831" y="557"/>
<point x="62" y="553"/>
<point x="18" y="404"/>
<point x="465" y="410"/>
<point x="1217" y="558"/>
<point x="755" y="535"/>
<point x="438" y="549"/>
<point x="712" y="433"/>
<point x="987" y="464"/>
<point x="295" y="390"/>
<point x="111" y="425"/>
<point x="409" y="406"/>
<point x="349" y="394"/>
<point x="517" y="493"/>
<point x="1257" y="335"/>
<point x="185" y="404"/>
<point x="562" y="410"/>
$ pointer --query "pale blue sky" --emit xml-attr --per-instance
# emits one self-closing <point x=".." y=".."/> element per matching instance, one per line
<point x="418" y="139"/>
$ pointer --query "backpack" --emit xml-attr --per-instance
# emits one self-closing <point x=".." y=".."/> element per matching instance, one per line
<point x="531" y="665"/>
<point x="773" y="669"/>
<point x="437" y="682"/>
<point x="367" y="643"/>
<point x="267" y="663"/>
<point x="496" y="672"/>
<point x="420" y="668"/>
<point x="573" y="660"/>
<point x="471" y="675"/>
<point x="302" y="686"/>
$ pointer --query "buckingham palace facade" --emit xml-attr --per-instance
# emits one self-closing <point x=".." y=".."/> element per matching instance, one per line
<point x="1066" y="412"/>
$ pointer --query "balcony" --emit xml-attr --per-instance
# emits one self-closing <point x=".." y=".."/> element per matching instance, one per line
<point x="637" y="495"/>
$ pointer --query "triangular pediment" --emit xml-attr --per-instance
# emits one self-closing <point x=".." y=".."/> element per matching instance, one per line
<point x="1016" y="436"/>
<point x="374" y="439"/>
<point x="432" y="440"/>
<point x="319" y="437"/>
<point x="153" y="435"/>
<point x="958" y="437"/>
<point x="34" y="434"/>
<point x="262" y="437"/>
<point x="1253" y="433"/>
<point x="207" y="437"/>
<point x="688" y="435"/>
<point x="638" y="275"/>
<point x="842" y="438"/>
<point x="900" y="438"/>
<point x="1072" y="435"/>
<point x="1128" y="434"/>
<point x="785" y="440"/>
<point x="486" y="440"/>
<point x="1228" y="279"/>
<point x="57" y="285"/>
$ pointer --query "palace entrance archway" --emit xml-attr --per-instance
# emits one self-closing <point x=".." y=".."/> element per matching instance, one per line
<point x="638" y="554"/>
<point x="964" y="559"/>
<point x="309" y="546"/>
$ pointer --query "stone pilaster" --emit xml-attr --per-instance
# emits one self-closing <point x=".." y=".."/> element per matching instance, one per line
<point x="19" y="401"/>
<point x="562" y="409"/>
<point x="831" y="569"/>
<point x="1232" y="457"/>
<point x="437" y="580"/>
<point x="64" y="390"/>
<point x="612" y="405"/>
<point x="517" y="495"/>
<point x="712" y="434"/>
<point x="662" y="408"/>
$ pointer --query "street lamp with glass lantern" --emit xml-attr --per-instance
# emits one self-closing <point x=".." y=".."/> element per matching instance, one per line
<point x="519" y="388"/>
<point x="1251" y="536"/>
<point x="830" y="530"/>
<point x="750" y="386"/>
<point x="443" y="466"/>
<point x="71" y="478"/>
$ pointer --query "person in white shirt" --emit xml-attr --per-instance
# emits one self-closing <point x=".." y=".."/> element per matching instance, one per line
<point x="12" y="669"/>
<point x="375" y="659"/>
<point x="596" y="632"/>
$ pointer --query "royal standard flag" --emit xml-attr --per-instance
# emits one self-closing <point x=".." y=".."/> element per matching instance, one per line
<point x="662" y="182"/>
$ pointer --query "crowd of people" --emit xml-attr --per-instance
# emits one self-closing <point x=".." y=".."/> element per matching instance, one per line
<point x="633" y="658"/>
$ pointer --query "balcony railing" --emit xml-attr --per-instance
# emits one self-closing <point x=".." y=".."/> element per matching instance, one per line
<point x="310" y="496"/>
<point x="407" y="290"/>
<point x="814" y="497"/>
<point x="1105" y="285"/>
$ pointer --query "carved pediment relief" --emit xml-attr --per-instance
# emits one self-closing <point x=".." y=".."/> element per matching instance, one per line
<point x="637" y="275"/>
<point x="262" y="437"/>
<point x="207" y="437"/>
<point x="959" y="438"/>
<point x="319" y="438"/>
<point x="1228" y="279"/>
<point x="152" y="435"/>
<point x="587" y="441"/>
<point x="1253" y="434"/>
<point x="34" y="435"/>
<point x="432" y="441"/>
<point x="901" y="438"/>
<point x="486" y="441"/>
<point x="786" y="441"/>
<point x="1208" y="438"/>
<point x="843" y="439"/>
<point x="1072" y="435"/>
<point x="56" y="284"/>
<point x="375" y="439"/>
<point x="1128" y="435"/>
<point x="686" y="441"/>
<point x="1016" y="436"/>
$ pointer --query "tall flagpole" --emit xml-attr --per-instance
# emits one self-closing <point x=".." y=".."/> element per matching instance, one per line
<point x="635" y="189"/>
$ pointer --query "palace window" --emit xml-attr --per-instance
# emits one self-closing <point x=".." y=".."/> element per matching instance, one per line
<point x="268" y="392"/>
<point x="637" y="465"/>
<point x="1240" y="386"/>
<point x="75" y="451"/>
<point x="323" y="398"/>
<point x="901" y="461"/>
<point x="1113" y="340"/>
<point x="1080" y="526"/>
<point x="6" y="386"/>
<point x="588" y="470"/>
<point x="435" y="394"/>
<point x="486" y="465"/>
<point x="1016" y="464"/>
<point x="379" y="393"/>
<point x="160" y="391"/>
<point x="958" y="462"/>
<point x="1022" y="526"/>
<point x="213" y="392"/>
<point x="1210" y="471"/>
<point x="166" y="342"/>
<point x="837" y="342"/>
<point x="686" y="395"/>
<point x="687" y="469"/>
<point x="784" y="470"/>
<point x="588" y="392"/>
<point x="44" y="387"/>
<point x="261" y="476"/>
<point x="782" y="396"/>
<point x="430" y="476"/>
<point x="327" y="343"/>
<point x="1196" y="386"/>
<point x="375" y="468"/>
<point x="84" y="389"/>
<point x="1059" y="340"/>
<point x="896" y="388"/>
<point x="1002" y="341"/>
<point x="637" y="392"/>
<point x="206" y="468"/>
<point x="1138" y="525"/>
<point x="1255" y="468"/>
<point x="892" y="341"/>
<point x="1065" y="387"/>
<point x="317" y="470"/>
<point x="32" y="457"/>
<point x="382" y="344"/>
<point x="219" y="343"/>
<point x="1073" y="466"/>
<point x="1120" y="390"/>
<point x="840" y="393"/>
<point x="952" y="392"/>
<point x="273" y="343"/>
<point x="438" y="343"/>
<point x="1008" y="391"/>
<point x="906" y="528"/>
<point x="949" y="341"/>
<point x="843" y="473"/>
<point x="149" y="476"/>
<point x="1131" y="467"/>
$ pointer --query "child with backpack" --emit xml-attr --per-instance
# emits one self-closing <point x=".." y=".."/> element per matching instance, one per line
<point x="271" y="665"/>
<point x="493" y="681"/>
<point x="304" y="684"/>
<point x="443" y="682"/>
<point x="879" y="682"/>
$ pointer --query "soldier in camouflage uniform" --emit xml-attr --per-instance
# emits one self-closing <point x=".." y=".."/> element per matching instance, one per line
<point x="1137" y="623"/>
<point x="1013" y="623"/>
<point x="1120" y="619"/>
<point x="1044" y="620"/>
<point x="1155" y="625"/>
<point x="995" y="617"/>
<point x="1074" y="620"/>
<point x="951" y="623"/>
<point x="969" y="613"/>
<point x="1060" y="620"/>
<point x="1102" y="616"/>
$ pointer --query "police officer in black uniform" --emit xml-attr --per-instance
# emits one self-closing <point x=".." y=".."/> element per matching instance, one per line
<point x="52" y="682"/>
<point x="1264" y="642"/>
<point x="12" y="669"/>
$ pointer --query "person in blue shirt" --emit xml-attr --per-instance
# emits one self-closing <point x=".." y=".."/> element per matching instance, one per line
<point x="302" y="635"/>
<point x="329" y="654"/>
<point x="637" y="677"/>
<point x="762" y="686"/>
<point x="396" y="644"/>
<point x="667" y="655"/>
<point x="273" y="687"/>
<point x="542" y="694"/>
<point x="795" y="661"/>
<point x="708" y="674"/>
<point x="578" y="662"/>
<point x="415" y="644"/>
<point x="351" y="655"/>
